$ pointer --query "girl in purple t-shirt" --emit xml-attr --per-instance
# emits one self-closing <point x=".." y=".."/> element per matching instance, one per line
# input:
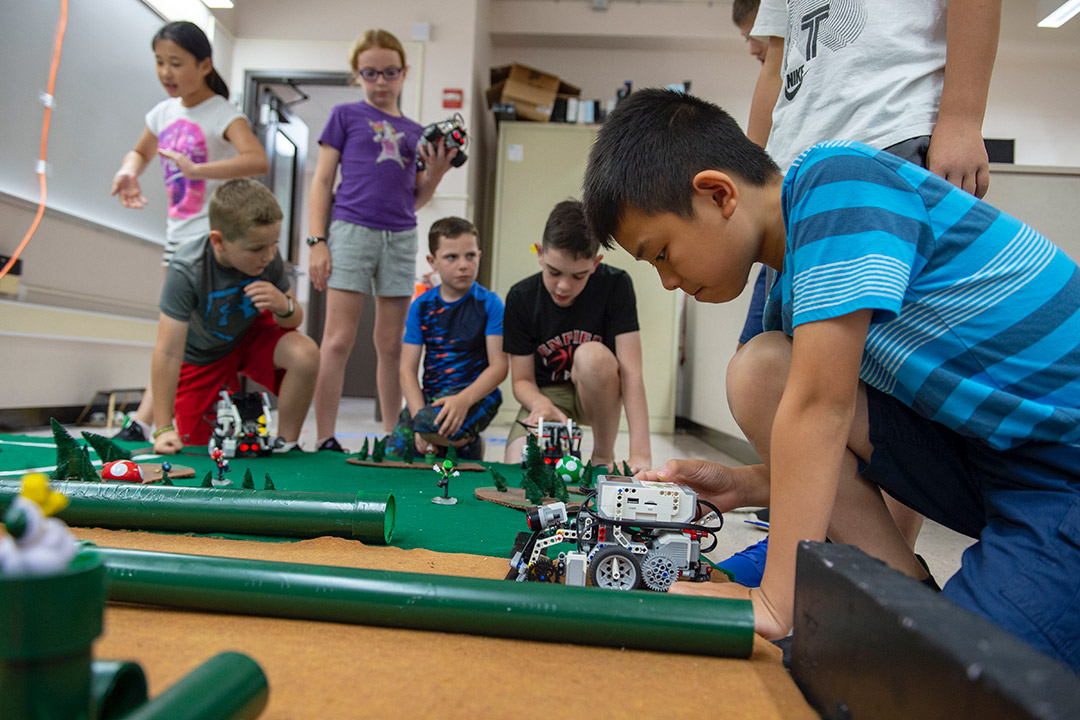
<point x="371" y="245"/>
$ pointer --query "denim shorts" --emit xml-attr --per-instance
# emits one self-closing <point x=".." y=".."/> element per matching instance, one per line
<point x="370" y="261"/>
<point x="1023" y="505"/>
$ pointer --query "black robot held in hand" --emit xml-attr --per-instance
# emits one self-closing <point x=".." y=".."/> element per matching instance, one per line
<point x="453" y="134"/>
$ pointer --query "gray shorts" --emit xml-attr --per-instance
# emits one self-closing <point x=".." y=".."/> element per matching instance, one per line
<point x="373" y="262"/>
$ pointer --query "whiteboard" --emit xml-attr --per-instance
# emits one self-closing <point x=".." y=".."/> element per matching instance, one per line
<point x="105" y="85"/>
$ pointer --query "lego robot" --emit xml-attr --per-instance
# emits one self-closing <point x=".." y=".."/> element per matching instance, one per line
<point x="629" y="534"/>
<point x="243" y="424"/>
<point x="555" y="440"/>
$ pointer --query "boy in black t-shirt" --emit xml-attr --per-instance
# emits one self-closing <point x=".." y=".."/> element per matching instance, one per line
<point x="572" y="335"/>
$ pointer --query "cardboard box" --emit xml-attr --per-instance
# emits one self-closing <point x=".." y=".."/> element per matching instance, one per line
<point x="532" y="91"/>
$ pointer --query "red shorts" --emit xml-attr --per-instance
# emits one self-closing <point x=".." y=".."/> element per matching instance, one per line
<point x="197" y="391"/>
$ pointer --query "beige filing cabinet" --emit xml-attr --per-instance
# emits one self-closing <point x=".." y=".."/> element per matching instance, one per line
<point x="540" y="164"/>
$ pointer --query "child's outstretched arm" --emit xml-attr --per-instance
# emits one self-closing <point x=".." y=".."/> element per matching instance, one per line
<point x="808" y="446"/>
<point x="126" y="181"/>
<point x="527" y="392"/>
<point x="632" y="380"/>
<point x="455" y="408"/>
<point x="164" y="377"/>
<point x="250" y="158"/>
<point x="957" y="152"/>
<point x="410" y="381"/>
<point x="766" y="93"/>
<point x="322" y="187"/>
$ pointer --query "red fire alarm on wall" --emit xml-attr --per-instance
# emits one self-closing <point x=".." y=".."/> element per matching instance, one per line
<point x="452" y="99"/>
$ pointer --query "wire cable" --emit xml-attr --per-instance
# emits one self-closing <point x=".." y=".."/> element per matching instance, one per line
<point x="48" y="101"/>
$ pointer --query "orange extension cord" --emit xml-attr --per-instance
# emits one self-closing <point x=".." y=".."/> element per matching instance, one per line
<point x="44" y="138"/>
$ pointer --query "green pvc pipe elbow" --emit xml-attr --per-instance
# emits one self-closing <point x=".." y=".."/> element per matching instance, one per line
<point x="47" y="626"/>
<point x="116" y="688"/>
<point x="529" y="611"/>
<point x="221" y="510"/>
<point x="228" y="686"/>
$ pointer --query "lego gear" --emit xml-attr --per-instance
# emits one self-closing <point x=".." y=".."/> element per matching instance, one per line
<point x="658" y="572"/>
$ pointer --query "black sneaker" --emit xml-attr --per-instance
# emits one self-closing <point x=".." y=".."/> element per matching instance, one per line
<point x="332" y="445"/>
<point x="131" y="432"/>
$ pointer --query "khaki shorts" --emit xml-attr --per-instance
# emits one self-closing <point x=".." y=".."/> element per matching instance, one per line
<point x="563" y="396"/>
<point x="372" y="262"/>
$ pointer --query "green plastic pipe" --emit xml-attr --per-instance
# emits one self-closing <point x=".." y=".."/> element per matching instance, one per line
<point x="530" y="611"/>
<point x="47" y="626"/>
<point x="116" y="688"/>
<point x="221" y="510"/>
<point x="228" y="686"/>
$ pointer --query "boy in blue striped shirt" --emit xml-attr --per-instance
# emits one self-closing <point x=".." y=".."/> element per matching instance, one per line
<point x="928" y="347"/>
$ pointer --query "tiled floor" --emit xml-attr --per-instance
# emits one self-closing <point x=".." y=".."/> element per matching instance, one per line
<point x="940" y="546"/>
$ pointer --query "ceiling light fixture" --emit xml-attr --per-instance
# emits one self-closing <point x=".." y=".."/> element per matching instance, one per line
<point x="1057" y="16"/>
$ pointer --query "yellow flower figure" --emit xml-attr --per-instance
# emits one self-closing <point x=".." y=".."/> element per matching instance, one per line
<point x="36" y="544"/>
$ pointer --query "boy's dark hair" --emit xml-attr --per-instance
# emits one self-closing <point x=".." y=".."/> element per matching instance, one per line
<point x="191" y="38"/>
<point x="449" y="227"/>
<point x="742" y="9"/>
<point x="567" y="231"/>
<point x="649" y="150"/>
<point x="239" y="205"/>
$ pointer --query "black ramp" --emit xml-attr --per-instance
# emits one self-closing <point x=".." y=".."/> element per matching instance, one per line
<point x="872" y="644"/>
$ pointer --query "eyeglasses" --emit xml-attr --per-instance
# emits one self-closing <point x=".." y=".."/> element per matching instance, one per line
<point x="371" y="74"/>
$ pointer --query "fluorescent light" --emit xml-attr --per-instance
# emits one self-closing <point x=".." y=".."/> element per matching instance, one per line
<point x="1058" y="17"/>
<point x="218" y="4"/>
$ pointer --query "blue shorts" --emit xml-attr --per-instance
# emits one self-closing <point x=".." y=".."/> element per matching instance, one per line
<point x="1022" y="504"/>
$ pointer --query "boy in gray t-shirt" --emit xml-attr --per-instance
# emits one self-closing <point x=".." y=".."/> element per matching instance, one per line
<point x="226" y="309"/>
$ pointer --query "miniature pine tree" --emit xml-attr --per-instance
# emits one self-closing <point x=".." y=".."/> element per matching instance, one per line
<point x="269" y="485"/>
<point x="500" y="481"/>
<point x="86" y="471"/>
<point x="364" y="452"/>
<point x="533" y="493"/>
<point x="536" y="471"/>
<point x="249" y="482"/>
<point x="106" y="449"/>
<point x="68" y="453"/>
<point x="451" y="454"/>
<point x="166" y="481"/>
<point x="586" y="475"/>
<point x="409" y="454"/>
<point x="560" y="493"/>
<point x="379" y="453"/>
<point x="626" y="470"/>
<point x="208" y="480"/>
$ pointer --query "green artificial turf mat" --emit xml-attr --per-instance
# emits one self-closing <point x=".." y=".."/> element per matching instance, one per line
<point x="471" y="526"/>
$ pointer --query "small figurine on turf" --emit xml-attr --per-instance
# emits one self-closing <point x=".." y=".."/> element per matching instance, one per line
<point x="166" y="466"/>
<point x="35" y="544"/>
<point x="446" y="471"/>
<point x="218" y="456"/>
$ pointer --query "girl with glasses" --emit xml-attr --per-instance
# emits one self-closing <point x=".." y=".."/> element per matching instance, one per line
<point x="371" y="245"/>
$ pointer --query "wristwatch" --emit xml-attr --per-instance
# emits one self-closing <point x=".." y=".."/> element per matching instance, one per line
<point x="315" y="239"/>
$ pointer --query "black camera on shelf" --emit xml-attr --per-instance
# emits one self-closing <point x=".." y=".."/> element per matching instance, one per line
<point x="453" y="134"/>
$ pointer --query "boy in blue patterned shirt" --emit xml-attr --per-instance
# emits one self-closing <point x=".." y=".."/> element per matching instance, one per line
<point x="458" y="326"/>
<point x="928" y="348"/>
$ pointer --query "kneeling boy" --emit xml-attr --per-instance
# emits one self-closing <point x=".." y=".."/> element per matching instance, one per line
<point x="458" y="327"/>
<point x="928" y="347"/>
<point x="226" y="308"/>
<point x="574" y="344"/>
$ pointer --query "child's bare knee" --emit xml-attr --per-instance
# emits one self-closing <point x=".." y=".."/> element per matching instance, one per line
<point x="593" y="362"/>
<point x="296" y="352"/>
<point x="759" y="365"/>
